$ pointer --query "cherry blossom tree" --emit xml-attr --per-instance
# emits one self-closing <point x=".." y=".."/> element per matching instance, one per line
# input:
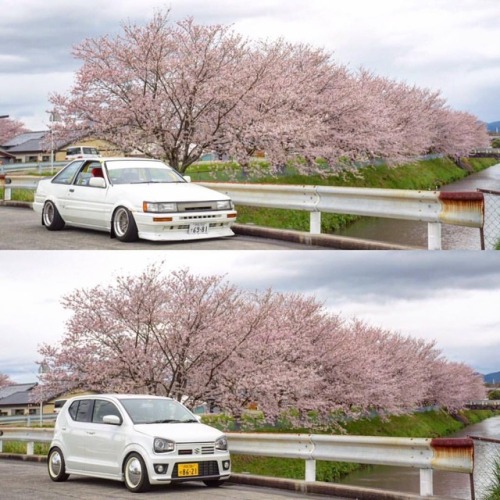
<point x="178" y="90"/>
<point x="5" y="380"/>
<point x="200" y="339"/>
<point x="9" y="128"/>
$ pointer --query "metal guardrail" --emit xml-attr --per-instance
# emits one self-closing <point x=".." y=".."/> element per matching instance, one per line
<point x="434" y="207"/>
<point x="30" y="167"/>
<point x="452" y="454"/>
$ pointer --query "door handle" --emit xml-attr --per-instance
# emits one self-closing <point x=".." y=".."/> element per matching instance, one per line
<point x="71" y="190"/>
<point x="91" y="433"/>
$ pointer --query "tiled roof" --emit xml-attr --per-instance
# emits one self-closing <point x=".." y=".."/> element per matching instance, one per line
<point x="30" y="146"/>
<point x="12" y="389"/>
<point x="24" y="138"/>
<point x="17" y="394"/>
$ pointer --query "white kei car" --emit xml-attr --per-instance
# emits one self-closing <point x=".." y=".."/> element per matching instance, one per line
<point x="132" y="198"/>
<point x="139" y="439"/>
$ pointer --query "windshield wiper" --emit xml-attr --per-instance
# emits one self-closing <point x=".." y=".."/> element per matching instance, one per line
<point x="173" y="421"/>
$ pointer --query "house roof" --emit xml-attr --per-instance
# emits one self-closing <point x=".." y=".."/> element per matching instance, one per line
<point x="20" y="139"/>
<point x="16" y="394"/>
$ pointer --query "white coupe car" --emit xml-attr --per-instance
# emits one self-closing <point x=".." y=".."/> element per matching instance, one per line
<point x="132" y="198"/>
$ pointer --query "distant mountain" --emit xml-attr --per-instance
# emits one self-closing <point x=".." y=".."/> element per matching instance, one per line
<point x="493" y="127"/>
<point x="492" y="378"/>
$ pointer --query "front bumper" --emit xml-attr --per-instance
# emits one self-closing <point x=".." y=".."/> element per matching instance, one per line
<point x="184" y="226"/>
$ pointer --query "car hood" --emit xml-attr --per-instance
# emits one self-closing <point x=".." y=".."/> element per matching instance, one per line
<point x="190" y="432"/>
<point x="174" y="192"/>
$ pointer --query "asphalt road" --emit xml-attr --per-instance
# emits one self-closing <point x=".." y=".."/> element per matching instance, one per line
<point x="21" y="229"/>
<point x="22" y="480"/>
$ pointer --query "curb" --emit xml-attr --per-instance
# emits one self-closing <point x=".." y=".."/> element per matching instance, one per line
<point x="322" y="488"/>
<point x="16" y="204"/>
<point x="320" y="240"/>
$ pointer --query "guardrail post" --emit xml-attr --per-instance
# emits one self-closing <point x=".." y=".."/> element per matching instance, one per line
<point x="434" y="235"/>
<point x="315" y="223"/>
<point x="426" y="489"/>
<point x="310" y="471"/>
<point x="30" y="448"/>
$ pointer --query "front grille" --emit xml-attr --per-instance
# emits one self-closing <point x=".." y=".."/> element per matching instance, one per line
<point x="201" y="206"/>
<point x="198" y="217"/>
<point x="210" y="468"/>
<point x="197" y="450"/>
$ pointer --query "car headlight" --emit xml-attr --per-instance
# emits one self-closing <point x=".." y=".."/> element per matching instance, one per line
<point x="224" y="205"/>
<point x="221" y="443"/>
<point x="159" y="207"/>
<point x="161" y="445"/>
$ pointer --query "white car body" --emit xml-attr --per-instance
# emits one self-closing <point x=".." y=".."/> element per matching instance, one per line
<point x="114" y="203"/>
<point x="97" y="435"/>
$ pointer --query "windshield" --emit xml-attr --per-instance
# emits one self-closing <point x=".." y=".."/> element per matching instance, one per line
<point x="141" y="172"/>
<point x="156" y="411"/>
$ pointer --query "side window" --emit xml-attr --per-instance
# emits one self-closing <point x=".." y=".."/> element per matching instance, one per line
<point x="91" y="169"/>
<point x="67" y="175"/>
<point x="73" y="409"/>
<point x="83" y="411"/>
<point x="102" y="408"/>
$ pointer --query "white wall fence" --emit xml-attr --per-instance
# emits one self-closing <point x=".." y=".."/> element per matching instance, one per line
<point x="450" y="454"/>
<point x="434" y="207"/>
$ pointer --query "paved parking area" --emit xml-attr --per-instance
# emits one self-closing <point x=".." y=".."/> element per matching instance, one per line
<point x="29" y="480"/>
<point x="21" y="229"/>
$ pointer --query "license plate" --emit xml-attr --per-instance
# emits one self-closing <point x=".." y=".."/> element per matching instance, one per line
<point x="198" y="228"/>
<point x="184" y="470"/>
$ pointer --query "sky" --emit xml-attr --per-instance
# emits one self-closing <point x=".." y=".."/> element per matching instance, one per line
<point x="449" y="297"/>
<point x="446" y="45"/>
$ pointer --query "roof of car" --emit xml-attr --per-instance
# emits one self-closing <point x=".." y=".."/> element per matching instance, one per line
<point x="121" y="396"/>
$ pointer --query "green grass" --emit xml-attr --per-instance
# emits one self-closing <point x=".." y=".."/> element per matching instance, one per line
<point x="19" y="448"/>
<point x="493" y="492"/>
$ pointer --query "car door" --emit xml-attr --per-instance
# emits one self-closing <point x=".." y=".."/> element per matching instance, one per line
<point x="75" y="434"/>
<point x="105" y="442"/>
<point x="86" y="205"/>
<point x="61" y="186"/>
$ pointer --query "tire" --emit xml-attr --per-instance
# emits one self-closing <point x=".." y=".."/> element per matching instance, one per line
<point x="56" y="465"/>
<point x="124" y="226"/>
<point x="135" y="474"/>
<point x="213" y="483"/>
<point x="51" y="218"/>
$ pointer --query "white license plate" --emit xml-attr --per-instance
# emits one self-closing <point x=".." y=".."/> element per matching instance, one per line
<point x="198" y="228"/>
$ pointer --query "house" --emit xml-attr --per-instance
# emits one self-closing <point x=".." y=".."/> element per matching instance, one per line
<point x="34" y="147"/>
<point x="16" y="400"/>
<point x="20" y="400"/>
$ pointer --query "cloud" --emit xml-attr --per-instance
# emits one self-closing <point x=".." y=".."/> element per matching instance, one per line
<point x="450" y="297"/>
<point x="439" y="44"/>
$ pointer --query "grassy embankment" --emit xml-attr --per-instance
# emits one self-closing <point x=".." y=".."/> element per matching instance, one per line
<point x="422" y="175"/>
<point x="425" y="425"/>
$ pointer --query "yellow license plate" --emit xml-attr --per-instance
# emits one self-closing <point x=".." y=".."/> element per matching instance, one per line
<point x="184" y="470"/>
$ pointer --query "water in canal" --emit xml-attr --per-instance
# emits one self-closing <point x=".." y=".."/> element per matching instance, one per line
<point x="449" y="484"/>
<point x="414" y="233"/>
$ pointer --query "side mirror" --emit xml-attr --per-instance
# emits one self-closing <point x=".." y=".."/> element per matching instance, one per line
<point x="98" y="182"/>
<point x="187" y="178"/>
<point x="112" y="419"/>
